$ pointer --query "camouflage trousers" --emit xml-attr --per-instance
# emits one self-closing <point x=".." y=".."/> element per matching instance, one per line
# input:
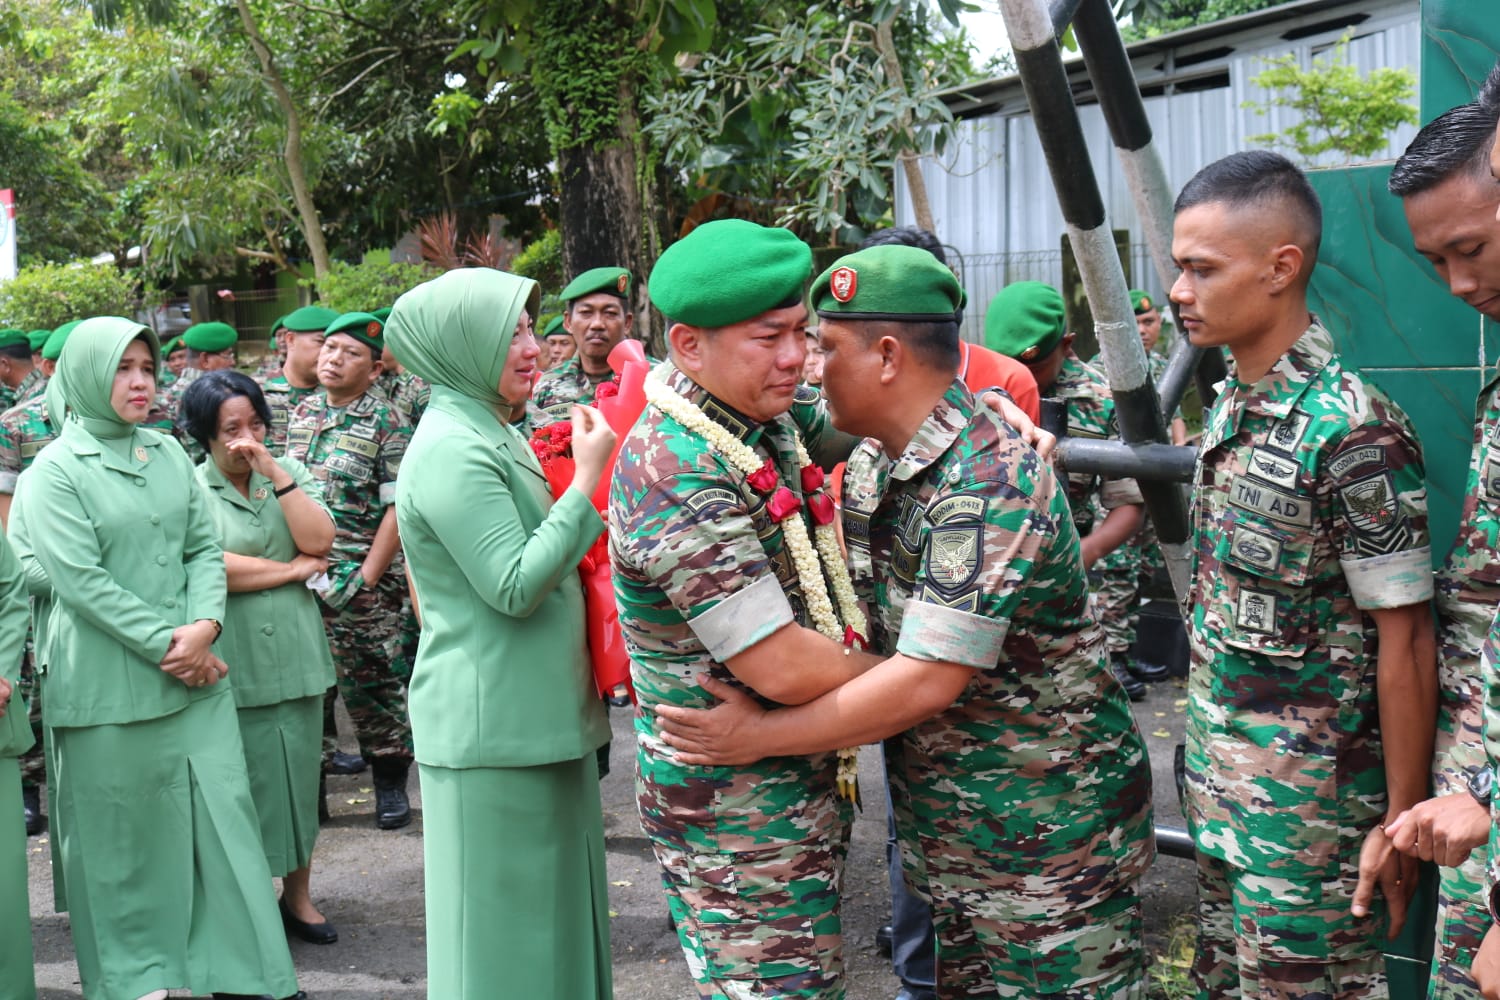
<point x="1115" y="581"/>
<point x="373" y="639"/>
<point x="1262" y="937"/>
<point x="1091" y="953"/>
<point x="33" y="761"/>
<point x="760" y="923"/>
<point x="1462" y="915"/>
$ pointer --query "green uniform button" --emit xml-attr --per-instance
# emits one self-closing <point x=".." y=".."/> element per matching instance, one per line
<point x="170" y="602"/>
<point x="269" y="630"/>
<point x="156" y="519"/>
<point x="161" y="560"/>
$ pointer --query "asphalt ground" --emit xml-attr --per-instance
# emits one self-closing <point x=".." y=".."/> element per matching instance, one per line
<point x="368" y="882"/>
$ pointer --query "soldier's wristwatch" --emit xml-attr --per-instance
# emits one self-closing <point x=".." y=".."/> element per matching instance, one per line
<point x="1482" y="784"/>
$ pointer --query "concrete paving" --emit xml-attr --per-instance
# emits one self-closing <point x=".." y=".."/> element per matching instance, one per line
<point x="369" y="883"/>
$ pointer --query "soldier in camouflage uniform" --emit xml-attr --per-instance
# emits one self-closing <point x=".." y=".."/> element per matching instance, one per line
<point x="1118" y="576"/>
<point x="402" y="389"/>
<point x="20" y="378"/>
<point x="352" y="441"/>
<point x="751" y="857"/>
<point x="597" y="313"/>
<point x="558" y="343"/>
<point x="25" y="430"/>
<point x="1026" y="321"/>
<point x="298" y="375"/>
<point x="1451" y="201"/>
<point x="1028" y="837"/>
<point x="1312" y="691"/>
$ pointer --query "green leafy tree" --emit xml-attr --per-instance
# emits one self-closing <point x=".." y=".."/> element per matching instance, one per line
<point x="1339" y="111"/>
<point x="61" y="212"/>
<point x="802" y="119"/>
<point x="1149" y="18"/>
<point x="49" y="295"/>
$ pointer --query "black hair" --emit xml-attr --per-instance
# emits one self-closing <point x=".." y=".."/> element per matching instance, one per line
<point x="1259" y="179"/>
<point x="906" y="236"/>
<point x="933" y="342"/>
<point x="1456" y="142"/>
<point x="207" y="394"/>
<point x="624" y="301"/>
<point x="19" y="351"/>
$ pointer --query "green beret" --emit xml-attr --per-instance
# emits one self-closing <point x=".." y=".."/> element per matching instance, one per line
<point x="1140" y="301"/>
<point x="210" y="338"/>
<point x="613" y="280"/>
<point x="887" y="282"/>
<point x="381" y="314"/>
<point x="1025" y="321"/>
<point x="363" y="327"/>
<point x="52" y="349"/>
<point x="175" y="344"/>
<point x="728" y="271"/>
<point x="37" y="338"/>
<point x="308" y="319"/>
<point x="554" y="325"/>
<point x="9" y="337"/>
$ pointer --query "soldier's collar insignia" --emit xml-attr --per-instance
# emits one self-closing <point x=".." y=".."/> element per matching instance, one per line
<point x="140" y="453"/>
<point x="727" y="417"/>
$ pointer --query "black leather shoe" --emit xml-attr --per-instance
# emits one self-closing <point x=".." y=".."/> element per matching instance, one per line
<point x="883" y="935"/>
<point x="323" y="933"/>
<point x="392" y="810"/>
<point x="346" y="763"/>
<point x="31" y="807"/>
<point x="1143" y="671"/>
<point x="1133" y="688"/>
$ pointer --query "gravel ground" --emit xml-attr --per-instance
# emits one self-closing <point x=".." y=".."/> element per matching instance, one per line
<point x="369" y="883"/>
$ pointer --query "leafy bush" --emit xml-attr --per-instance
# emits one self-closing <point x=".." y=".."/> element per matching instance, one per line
<point x="49" y="295"/>
<point x="541" y="261"/>
<point x="371" y="285"/>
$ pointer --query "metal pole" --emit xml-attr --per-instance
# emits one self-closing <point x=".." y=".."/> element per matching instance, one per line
<point x="1167" y="462"/>
<point x="1130" y="129"/>
<point x="1039" y="62"/>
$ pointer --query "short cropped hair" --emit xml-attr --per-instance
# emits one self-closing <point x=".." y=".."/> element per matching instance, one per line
<point x="1456" y="142"/>
<point x="933" y="342"/>
<point x="19" y="351"/>
<point x="1257" y="178"/>
<point x="907" y="236"/>
<point x="208" y="393"/>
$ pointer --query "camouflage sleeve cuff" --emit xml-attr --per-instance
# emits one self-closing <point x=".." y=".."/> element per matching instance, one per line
<point x="1393" y="580"/>
<point x="743" y="619"/>
<point x="936" y="633"/>
<point x="387" y="493"/>
<point x="1119" y="493"/>
<point x="8" y="481"/>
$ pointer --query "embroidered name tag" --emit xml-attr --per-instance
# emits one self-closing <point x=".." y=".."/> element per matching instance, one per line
<point x="1278" y="506"/>
<point x="713" y="496"/>
<point x="968" y="508"/>
<point x="1371" y="454"/>
<point x="358" y="445"/>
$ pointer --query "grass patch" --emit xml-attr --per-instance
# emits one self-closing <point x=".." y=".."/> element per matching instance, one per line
<point x="1171" y="967"/>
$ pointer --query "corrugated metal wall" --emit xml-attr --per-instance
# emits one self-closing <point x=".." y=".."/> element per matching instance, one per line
<point x="992" y="197"/>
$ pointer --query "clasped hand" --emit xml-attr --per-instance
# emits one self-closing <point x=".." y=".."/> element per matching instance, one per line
<point x="190" y="656"/>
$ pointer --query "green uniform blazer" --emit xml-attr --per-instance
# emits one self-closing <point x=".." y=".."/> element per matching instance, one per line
<point x="502" y="677"/>
<point x="273" y="639"/>
<point x="131" y="553"/>
<point x="15" y="730"/>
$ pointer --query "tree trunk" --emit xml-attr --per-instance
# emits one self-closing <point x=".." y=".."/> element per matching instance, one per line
<point x="915" y="183"/>
<point x="602" y="211"/>
<point x="307" y="212"/>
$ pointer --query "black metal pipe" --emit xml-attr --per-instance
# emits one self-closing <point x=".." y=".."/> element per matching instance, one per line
<point x="1181" y="365"/>
<point x="1148" y="463"/>
<point x="1211" y="373"/>
<point x="1109" y="68"/>
<point x="1174" y="843"/>
<point x="1063" y="12"/>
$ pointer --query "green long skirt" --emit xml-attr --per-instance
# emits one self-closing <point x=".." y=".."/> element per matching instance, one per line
<point x="17" y="971"/>
<point x="167" y="883"/>
<point x="517" y="904"/>
<point x="283" y="754"/>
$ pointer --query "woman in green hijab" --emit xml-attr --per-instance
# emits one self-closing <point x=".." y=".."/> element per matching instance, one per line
<point x="504" y="715"/>
<point x="167" y="886"/>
